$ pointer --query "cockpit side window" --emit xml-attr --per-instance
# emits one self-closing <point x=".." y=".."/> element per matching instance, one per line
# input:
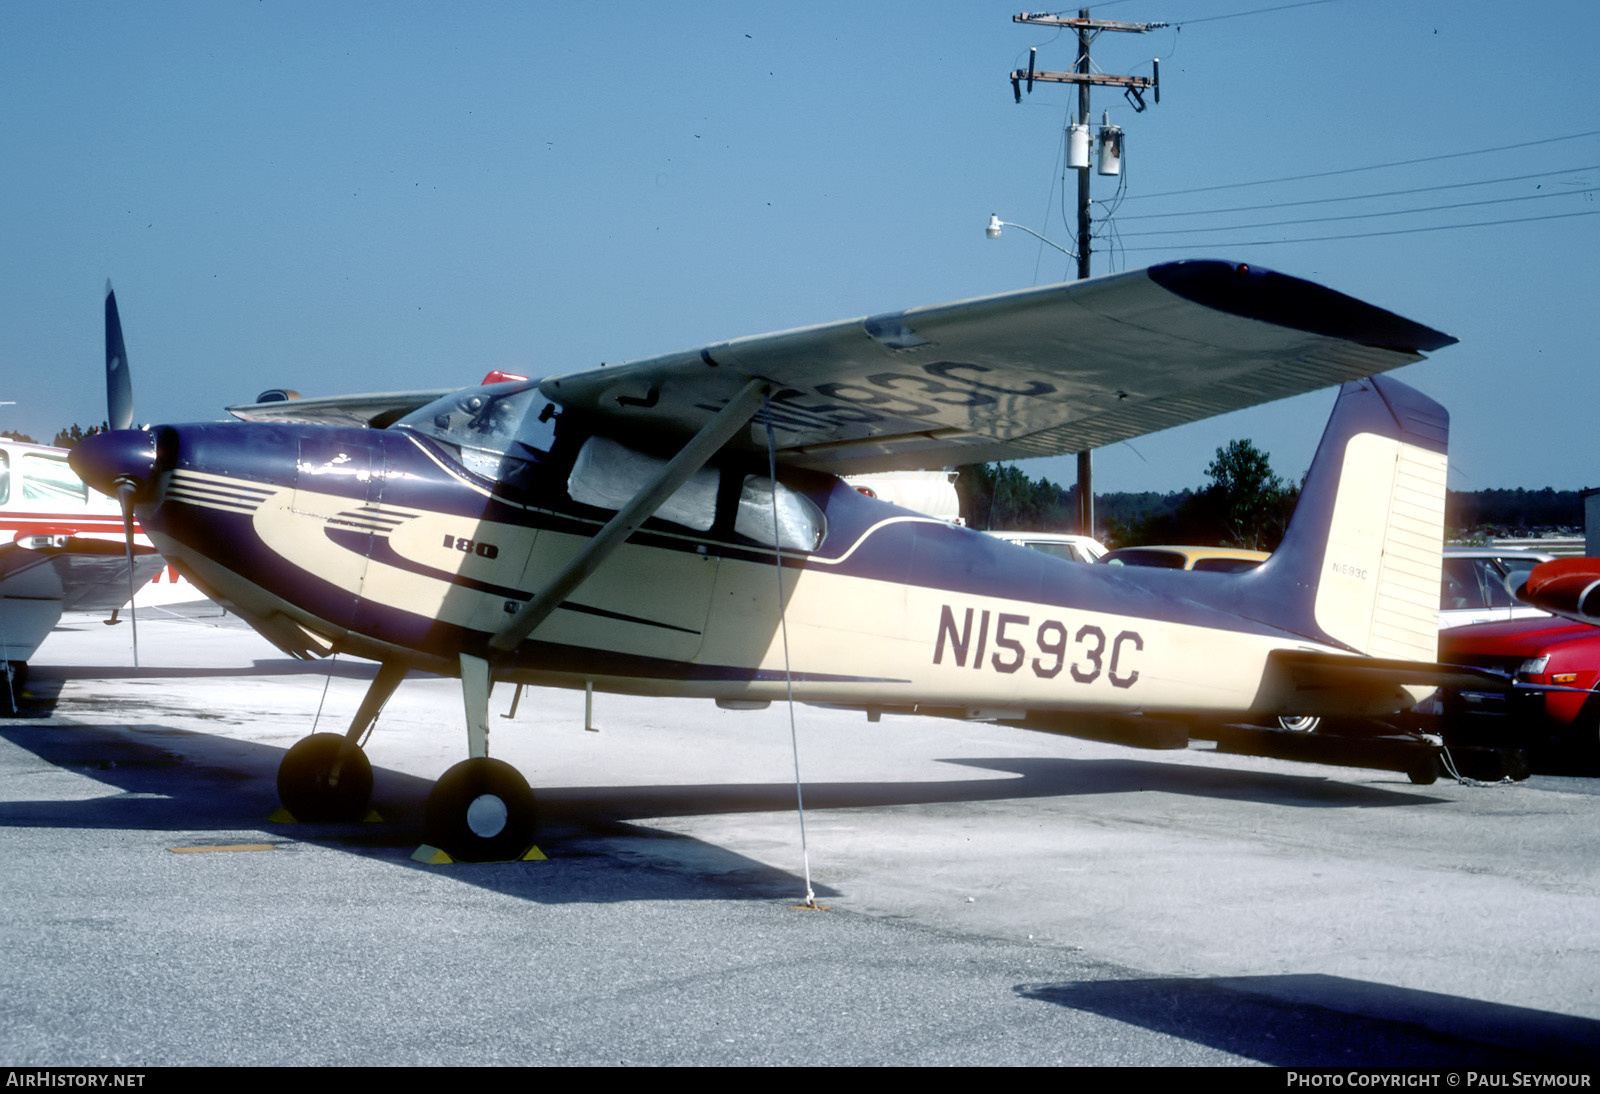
<point x="489" y="425"/>
<point x="5" y="478"/>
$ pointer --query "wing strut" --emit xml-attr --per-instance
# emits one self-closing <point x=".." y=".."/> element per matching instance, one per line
<point x="693" y="456"/>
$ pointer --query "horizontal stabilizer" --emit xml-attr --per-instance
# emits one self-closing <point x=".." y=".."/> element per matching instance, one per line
<point x="1332" y="685"/>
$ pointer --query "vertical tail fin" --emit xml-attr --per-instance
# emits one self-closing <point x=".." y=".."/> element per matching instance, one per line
<point x="1359" y="567"/>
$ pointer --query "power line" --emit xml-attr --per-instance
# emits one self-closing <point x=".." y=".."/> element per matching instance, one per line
<point x="1364" y="197"/>
<point x="1365" y="216"/>
<point x="1363" y="235"/>
<point x="1256" y="11"/>
<point x="1369" y="167"/>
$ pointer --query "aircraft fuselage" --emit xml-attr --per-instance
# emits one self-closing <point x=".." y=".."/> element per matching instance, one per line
<point x="385" y="544"/>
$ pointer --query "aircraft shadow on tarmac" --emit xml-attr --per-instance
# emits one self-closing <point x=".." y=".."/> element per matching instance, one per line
<point x="1328" y="1021"/>
<point x="45" y="686"/>
<point x="185" y="781"/>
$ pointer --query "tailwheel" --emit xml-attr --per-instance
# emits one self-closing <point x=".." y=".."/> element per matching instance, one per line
<point x="325" y="777"/>
<point x="481" y="810"/>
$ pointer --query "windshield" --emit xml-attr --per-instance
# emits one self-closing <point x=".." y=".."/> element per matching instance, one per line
<point x="486" y="424"/>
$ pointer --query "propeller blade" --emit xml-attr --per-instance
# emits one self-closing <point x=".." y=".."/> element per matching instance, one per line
<point x="119" y="385"/>
<point x="125" y="492"/>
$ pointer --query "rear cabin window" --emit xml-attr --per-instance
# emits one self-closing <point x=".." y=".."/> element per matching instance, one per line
<point x="799" y="525"/>
<point x="607" y="475"/>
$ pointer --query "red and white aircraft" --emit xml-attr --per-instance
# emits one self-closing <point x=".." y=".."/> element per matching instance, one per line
<point x="62" y="548"/>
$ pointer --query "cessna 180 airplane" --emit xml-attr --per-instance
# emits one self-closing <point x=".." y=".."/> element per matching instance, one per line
<point x="674" y="526"/>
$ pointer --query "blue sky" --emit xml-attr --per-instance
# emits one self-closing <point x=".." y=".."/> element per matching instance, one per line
<point x="363" y="196"/>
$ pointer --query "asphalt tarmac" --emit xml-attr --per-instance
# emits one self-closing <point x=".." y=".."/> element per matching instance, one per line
<point x="991" y="896"/>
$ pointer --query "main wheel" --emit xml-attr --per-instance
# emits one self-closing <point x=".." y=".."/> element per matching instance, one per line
<point x="325" y="777"/>
<point x="481" y="810"/>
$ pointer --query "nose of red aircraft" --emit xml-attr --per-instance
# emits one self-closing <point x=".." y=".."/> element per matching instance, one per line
<point x="122" y="456"/>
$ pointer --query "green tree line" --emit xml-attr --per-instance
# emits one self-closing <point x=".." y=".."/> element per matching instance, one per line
<point x="64" y="438"/>
<point x="1243" y="503"/>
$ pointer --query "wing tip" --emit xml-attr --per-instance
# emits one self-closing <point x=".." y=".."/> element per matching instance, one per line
<point x="1257" y="292"/>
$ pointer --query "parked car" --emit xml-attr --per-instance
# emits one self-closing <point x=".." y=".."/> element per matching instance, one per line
<point x="1541" y="650"/>
<point x="1477" y="583"/>
<point x="1228" y="560"/>
<point x="1060" y="544"/>
<point x="1475" y="588"/>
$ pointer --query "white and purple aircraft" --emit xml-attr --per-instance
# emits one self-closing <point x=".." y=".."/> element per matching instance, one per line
<point x="676" y="526"/>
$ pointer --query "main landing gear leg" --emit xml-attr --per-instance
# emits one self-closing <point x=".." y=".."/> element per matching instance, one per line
<point x="481" y="810"/>
<point x="326" y="776"/>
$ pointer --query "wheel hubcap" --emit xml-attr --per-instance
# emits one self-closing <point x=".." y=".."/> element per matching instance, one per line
<point x="486" y="816"/>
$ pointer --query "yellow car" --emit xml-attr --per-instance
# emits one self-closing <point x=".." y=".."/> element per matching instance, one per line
<point x="1228" y="560"/>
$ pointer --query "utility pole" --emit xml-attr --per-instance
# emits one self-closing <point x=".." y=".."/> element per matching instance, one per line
<point x="1133" y="87"/>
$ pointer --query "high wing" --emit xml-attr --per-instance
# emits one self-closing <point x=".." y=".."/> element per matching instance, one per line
<point x="81" y="575"/>
<point x="1039" y="372"/>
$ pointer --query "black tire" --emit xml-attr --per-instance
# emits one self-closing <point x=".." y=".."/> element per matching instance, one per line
<point x="481" y="810"/>
<point x="1424" y="772"/>
<point x="308" y="787"/>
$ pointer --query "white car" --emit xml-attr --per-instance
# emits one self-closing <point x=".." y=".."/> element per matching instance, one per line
<point x="1060" y="544"/>
<point x="1477" y="584"/>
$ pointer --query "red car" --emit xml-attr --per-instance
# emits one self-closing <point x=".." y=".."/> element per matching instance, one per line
<point x="1543" y="650"/>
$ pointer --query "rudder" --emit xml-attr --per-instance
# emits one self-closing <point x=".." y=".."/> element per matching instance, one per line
<point x="1360" y="564"/>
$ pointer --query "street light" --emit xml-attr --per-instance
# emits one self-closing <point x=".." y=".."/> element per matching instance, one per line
<point x="995" y="224"/>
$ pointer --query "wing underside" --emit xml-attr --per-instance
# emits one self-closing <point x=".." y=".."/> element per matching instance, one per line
<point x="36" y="586"/>
<point x="1040" y="372"/>
<point x="376" y="410"/>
